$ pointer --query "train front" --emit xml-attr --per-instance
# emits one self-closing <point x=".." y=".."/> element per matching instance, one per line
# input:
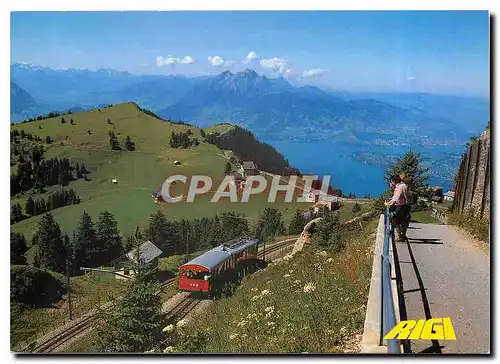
<point x="194" y="278"/>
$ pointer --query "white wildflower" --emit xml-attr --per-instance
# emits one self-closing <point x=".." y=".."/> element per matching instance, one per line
<point x="233" y="336"/>
<point x="255" y="298"/>
<point x="309" y="287"/>
<point x="268" y="282"/>
<point x="296" y="281"/>
<point x="329" y="260"/>
<point x="286" y="276"/>
<point x="169" y="349"/>
<point x="265" y="292"/>
<point x="181" y="323"/>
<point x="290" y="271"/>
<point x="269" y="309"/>
<point x="251" y="315"/>
<point x="270" y="323"/>
<point x="254" y="289"/>
<point x="169" y="328"/>
<point x="242" y="323"/>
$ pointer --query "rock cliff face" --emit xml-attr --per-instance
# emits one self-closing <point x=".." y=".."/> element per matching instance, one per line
<point x="472" y="190"/>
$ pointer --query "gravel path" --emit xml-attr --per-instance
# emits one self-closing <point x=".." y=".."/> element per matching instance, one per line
<point x="455" y="274"/>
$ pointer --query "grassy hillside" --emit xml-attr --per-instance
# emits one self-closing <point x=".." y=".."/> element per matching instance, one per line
<point x="314" y="302"/>
<point x="31" y="323"/>
<point x="219" y="128"/>
<point x="138" y="173"/>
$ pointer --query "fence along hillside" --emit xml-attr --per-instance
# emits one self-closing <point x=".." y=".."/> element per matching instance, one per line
<point x="472" y="190"/>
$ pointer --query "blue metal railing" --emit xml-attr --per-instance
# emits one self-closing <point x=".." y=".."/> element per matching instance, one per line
<point x="388" y="311"/>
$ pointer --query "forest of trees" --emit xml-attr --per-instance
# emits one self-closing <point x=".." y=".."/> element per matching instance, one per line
<point x="46" y="116"/>
<point x="151" y="113"/>
<point x="188" y="236"/>
<point x="39" y="205"/>
<point x="183" y="140"/>
<point x="33" y="172"/>
<point x="100" y="243"/>
<point x="91" y="245"/>
<point x="36" y="174"/>
<point x="246" y="147"/>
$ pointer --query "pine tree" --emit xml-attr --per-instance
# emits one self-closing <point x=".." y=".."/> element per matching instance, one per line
<point x="78" y="171"/>
<point x="16" y="213"/>
<point x="86" y="251"/>
<point x="51" y="253"/>
<point x="327" y="233"/>
<point x="108" y="236"/>
<point x="160" y="233"/>
<point x="42" y="206"/>
<point x="215" y="235"/>
<point x="30" y="206"/>
<point x="297" y="224"/>
<point x="270" y="224"/>
<point x="135" y="323"/>
<point x="416" y="181"/>
<point x="227" y="168"/>
<point x="18" y="248"/>
<point x="355" y="208"/>
<point x="129" y="145"/>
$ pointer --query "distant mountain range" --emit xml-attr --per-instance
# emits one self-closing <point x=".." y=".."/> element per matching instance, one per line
<point x="270" y="107"/>
<point x="21" y="102"/>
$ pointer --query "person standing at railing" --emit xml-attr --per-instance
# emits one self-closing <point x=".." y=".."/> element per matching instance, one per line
<point x="405" y="179"/>
<point x="399" y="206"/>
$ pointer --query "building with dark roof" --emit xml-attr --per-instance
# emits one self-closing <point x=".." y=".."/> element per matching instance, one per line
<point x="250" y="168"/>
<point x="148" y="254"/>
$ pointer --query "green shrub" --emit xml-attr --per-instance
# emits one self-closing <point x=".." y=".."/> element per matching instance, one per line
<point x="419" y="206"/>
<point x="479" y="228"/>
<point x="356" y="207"/>
<point x="327" y="233"/>
<point x="33" y="287"/>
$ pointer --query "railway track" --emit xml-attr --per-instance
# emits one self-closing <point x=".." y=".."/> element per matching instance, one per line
<point x="64" y="336"/>
<point x="183" y="308"/>
<point x="275" y="247"/>
<point x="178" y="312"/>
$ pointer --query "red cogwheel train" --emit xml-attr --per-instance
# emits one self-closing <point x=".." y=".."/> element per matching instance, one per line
<point x="210" y="272"/>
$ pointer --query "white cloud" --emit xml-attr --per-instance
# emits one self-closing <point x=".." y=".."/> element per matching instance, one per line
<point x="250" y="57"/>
<point x="169" y="60"/>
<point x="314" y="72"/>
<point x="216" y="61"/>
<point x="277" y="64"/>
<point x="411" y="78"/>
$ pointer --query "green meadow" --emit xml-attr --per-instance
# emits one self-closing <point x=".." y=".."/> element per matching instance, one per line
<point x="138" y="173"/>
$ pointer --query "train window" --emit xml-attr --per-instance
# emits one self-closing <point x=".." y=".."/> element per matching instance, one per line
<point x="191" y="274"/>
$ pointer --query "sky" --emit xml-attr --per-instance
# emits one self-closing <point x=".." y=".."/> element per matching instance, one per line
<point x="375" y="51"/>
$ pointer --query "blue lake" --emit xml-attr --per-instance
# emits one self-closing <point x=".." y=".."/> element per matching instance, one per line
<point x="357" y="175"/>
